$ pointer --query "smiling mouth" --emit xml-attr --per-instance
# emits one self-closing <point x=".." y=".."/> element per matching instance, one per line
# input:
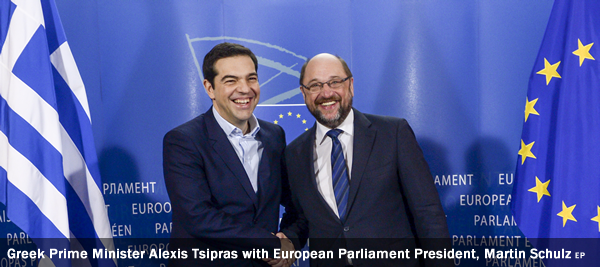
<point x="329" y="103"/>
<point x="242" y="101"/>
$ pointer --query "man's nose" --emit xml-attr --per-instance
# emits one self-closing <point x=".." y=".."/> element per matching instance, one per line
<point x="244" y="87"/>
<point x="327" y="91"/>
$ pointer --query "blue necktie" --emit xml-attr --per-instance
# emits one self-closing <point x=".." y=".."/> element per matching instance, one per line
<point x="339" y="173"/>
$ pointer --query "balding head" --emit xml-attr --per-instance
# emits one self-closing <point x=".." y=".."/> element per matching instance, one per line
<point x="328" y="88"/>
<point x="327" y="58"/>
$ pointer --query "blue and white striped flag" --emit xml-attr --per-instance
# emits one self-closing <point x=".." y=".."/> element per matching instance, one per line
<point x="49" y="175"/>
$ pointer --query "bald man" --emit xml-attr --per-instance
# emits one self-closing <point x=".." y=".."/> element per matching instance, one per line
<point x="360" y="181"/>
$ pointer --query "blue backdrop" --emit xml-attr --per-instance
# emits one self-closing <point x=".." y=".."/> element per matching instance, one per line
<point x="457" y="70"/>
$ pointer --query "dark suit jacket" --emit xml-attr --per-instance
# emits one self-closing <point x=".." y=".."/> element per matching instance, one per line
<point x="214" y="205"/>
<point x="392" y="203"/>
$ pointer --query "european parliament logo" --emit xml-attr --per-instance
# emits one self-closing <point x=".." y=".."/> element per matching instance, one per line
<point x="281" y="101"/>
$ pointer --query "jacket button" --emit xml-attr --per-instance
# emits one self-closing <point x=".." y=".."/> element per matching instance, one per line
<point x="347" y="228"/>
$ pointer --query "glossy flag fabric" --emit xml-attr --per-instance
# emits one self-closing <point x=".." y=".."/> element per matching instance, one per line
<point x="557" y="181"/>
<point x="49" y="176"/>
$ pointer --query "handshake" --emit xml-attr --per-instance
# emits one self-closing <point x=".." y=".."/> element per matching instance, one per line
<point x="286" y="245"/>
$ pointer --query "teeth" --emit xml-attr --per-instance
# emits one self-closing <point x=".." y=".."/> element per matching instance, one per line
<point x="241" y="101"/>
<point x="328" y="103"/>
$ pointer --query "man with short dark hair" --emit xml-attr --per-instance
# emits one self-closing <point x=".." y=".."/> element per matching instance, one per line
<point x="360" y="181"/>
<point x="225" y="170"/>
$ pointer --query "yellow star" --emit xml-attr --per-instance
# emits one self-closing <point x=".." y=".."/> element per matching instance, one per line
<point x="525" y="151"/>
<point x="540" y="188"/>
<point x="529" y="108"/>
<point x="583" y="52"/>
<point x="280" y="116"/>
<point x="567" y="213"/>
<point x="306" y="129"/>
<point x="290" y="113"/>
<point x="597" y="218"/>
<point x="275" y="122"/>
<point x="303" y="121"/>
<point x="298" y="116"/>
<point x="549" y="71"/>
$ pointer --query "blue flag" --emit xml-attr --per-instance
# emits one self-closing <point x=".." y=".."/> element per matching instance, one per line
<point x="556" y="192"/>
<point x="295" y="119"/>
<point x="49" y="175"/>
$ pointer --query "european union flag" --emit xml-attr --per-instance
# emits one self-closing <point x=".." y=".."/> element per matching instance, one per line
<point x="293" y="118"/>
<point x="557" y="185"/>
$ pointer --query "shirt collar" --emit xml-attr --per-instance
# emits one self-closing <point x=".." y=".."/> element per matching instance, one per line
<point x="347" y="126"/>
<point x="231" y="130"/>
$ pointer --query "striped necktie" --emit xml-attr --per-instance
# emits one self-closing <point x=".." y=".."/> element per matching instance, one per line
<point x="339" y="173"/>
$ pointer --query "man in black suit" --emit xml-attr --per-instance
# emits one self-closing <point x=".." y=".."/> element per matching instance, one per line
<point x="360" y="180"/>
<point x="225" y="170"/>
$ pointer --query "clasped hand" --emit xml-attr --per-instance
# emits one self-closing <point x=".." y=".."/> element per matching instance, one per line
<point x="286" y="245"/>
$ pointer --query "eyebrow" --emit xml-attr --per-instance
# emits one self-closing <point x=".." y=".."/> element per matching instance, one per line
<point x="229" y="77"/>
<point x="236" y="77"/>
<point x="330" y="78"/>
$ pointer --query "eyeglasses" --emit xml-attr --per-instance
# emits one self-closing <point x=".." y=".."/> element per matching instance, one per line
<point x="318" y="86"/>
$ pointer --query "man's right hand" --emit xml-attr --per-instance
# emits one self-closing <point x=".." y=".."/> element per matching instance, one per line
<point x="286" y="245"/>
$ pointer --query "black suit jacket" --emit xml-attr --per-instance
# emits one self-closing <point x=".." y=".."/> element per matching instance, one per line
<point x="392" y="203"/>
<point x="214" y="205"/>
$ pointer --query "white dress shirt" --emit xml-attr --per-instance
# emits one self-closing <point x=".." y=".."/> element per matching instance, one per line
<point x="248" y="149"/>
<point x="322" y="157"/>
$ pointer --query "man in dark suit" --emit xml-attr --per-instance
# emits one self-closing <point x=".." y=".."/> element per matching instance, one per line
<point x="225" y="170"/>
<point x="360" y="181"/>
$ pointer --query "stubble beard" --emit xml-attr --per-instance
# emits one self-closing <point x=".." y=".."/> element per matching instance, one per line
<point x="337" y="119"/>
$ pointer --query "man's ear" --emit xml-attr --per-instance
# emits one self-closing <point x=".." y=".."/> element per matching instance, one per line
<point x="352" y="86"/>
<point x="304" y="95"/>
<point x="210" y="90"/>
<point x="302" y="90"/>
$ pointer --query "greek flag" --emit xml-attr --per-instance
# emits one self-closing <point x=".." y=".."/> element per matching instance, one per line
<point x="49" y="175"/>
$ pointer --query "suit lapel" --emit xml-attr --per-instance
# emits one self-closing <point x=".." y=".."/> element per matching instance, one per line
<point x="264" y="173"/>
<point x="364" y="138"/>
<point x="223" y="148"/>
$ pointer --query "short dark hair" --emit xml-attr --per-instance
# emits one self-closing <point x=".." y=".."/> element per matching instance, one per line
<point x="224" y="50"/>
<point x="344" y="65"/>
